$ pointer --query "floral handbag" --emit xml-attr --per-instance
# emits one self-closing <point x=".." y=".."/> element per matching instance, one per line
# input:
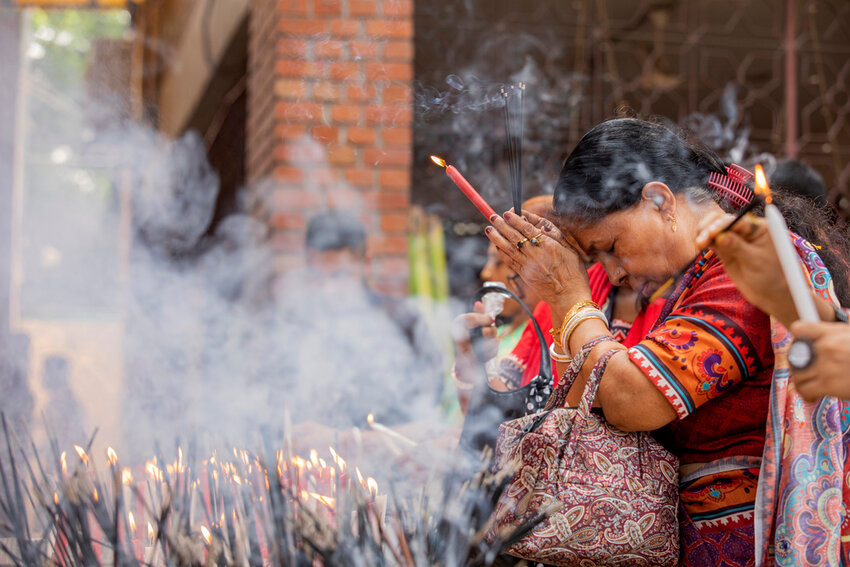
<point x="615" y="494"/>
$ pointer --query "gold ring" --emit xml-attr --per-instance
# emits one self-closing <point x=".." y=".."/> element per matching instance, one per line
<point x="520" y="243"/>
<point x="537" y="240"/>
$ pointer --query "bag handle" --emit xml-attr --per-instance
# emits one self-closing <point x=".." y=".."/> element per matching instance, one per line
<point x="559" y="396"/>
<point x="545" y="369"/>
<point x="587" y="400"/>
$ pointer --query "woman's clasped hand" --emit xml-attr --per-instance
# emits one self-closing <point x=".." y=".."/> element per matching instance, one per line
<point x="543" y="256"/>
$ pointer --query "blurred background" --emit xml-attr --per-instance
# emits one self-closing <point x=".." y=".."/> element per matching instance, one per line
<point x="160" y="159"/>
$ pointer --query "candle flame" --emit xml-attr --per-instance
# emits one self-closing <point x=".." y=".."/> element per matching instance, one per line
<point x="372" y="485"/>
<point x="96" y="497"/>
<point x="326" y="500"/>
<point x="150" y="532"/>
<point x="314" y="457"/>
<point x="360" y="477"/>
<point x="439" y="161"/>
<point x="64" y="459"/>
<point x="205" y="532"/>
<point x="370" y="419"/>
<point x="126" y="476"/>
<point x="82" y="453"/>
<point x="761" y="186"/>
<point x="111" y="456"/>
<point x="131" y="521"/>
<point x="56" y="498"/>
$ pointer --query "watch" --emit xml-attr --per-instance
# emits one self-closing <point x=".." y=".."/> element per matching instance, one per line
<point x="801" y="355"/>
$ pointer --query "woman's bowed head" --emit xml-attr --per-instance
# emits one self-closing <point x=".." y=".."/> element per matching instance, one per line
<point x="630" y="196"/>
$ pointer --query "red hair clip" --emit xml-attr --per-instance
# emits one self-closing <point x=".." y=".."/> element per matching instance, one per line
<point x="733" y="185"/>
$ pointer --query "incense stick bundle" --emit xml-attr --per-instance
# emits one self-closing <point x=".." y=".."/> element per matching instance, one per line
<point x="513" y="132"/>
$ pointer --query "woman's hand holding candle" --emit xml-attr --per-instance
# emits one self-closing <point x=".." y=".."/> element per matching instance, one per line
<point x="749" y="257"/>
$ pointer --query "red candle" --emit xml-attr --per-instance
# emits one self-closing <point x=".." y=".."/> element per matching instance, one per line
<point x="466" y="187"/>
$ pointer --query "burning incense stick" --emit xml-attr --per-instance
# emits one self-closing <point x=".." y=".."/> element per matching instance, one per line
<point x="390" y="433"/>
<point x="514" y="121"/>
<point x="466" y="187"/>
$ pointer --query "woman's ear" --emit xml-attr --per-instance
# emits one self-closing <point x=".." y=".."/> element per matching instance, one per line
<point x="661" y="197"/>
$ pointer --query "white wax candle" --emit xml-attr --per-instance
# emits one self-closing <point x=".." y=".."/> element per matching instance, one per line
<point x="801" y="291"/>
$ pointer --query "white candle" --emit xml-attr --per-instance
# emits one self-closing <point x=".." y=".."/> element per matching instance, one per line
<point x="801" y="291"/>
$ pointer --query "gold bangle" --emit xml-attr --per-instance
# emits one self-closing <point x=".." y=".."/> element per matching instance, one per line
<point x="582" y="320"/>
<point x="556" y="333"/>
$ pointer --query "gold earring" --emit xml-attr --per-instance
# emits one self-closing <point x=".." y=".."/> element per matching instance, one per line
<point x="672" y="218"/>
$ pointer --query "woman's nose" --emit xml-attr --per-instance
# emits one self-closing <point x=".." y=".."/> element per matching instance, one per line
<point x="486" y="272"/>
<point x="616" y="274"/>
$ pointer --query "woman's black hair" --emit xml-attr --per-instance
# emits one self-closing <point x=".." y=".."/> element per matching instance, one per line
<point x="609" y="167"/>
<point x="607" y="170"/>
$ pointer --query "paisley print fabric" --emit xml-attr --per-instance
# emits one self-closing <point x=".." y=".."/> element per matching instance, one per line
<point x="804" y="487"/>
<point x="615" y="493"/>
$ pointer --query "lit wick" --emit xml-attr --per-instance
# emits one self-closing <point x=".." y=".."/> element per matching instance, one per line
<point x="466" y="187"/>
<point x="390" y="433"/>
<point x="801" y="292"/>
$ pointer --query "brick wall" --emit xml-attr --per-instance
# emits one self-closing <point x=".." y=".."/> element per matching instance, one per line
<point x="329" y="122"/>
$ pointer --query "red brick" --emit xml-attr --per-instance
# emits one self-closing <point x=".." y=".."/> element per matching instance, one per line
<point x="290" y="67"/>
<point x="395" y="178"/>
<point x="344" y="71"/>
<point x="367" y="49"/>
<point x="398" y="50"/>
<point x="358" y="8"/>
<point x="345" y="28"/>
<point x="322" y="177"/>
<point x="360" y="177"/>
<point x="344" y="198"/>
<point x="394" y="222"/>
<point x="325" y="134"/>
<point x="388" y="200"/>
<point x="289" y="131"/>
<point x="398" y="8"/>
<point x="291" y="89"/>
<point x="303" y="153"/>
<point x="286" y="220"/>
<point x="387" y="245"/>
<point x="361" y="93"/>
<point x="341" y="155"/>
<point x="298" y="111"/>
<point x="326" y="91"/>
<point x="290" y="47"/>
<point x="300" y="26"/>
<point x="397" y="93"/>
<point x="398" y="29"/>
<point x="287" y="173"/>
<point x="397" y="137"/>
<point x="327" y="7"/>
<point x="373" y="157"/>
<point x="287" y="199"/>
<point x="392" y="71"/>
<point x="361" y="136"/>
<point x="394" y="115"/>
<point x="292" y="6"/>
<point x="330" y="49"/>
<point x="346" y="113"/>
